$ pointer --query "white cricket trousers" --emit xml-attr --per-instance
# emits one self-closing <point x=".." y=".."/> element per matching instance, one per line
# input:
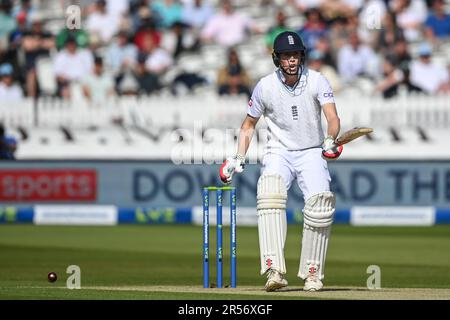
<point x="306" y="166"/>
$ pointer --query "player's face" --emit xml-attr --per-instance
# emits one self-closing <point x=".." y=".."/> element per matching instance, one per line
<point x="290" y="61"/>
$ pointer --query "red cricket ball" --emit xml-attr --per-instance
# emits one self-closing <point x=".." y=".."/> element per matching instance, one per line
<point x="52" y="277"/>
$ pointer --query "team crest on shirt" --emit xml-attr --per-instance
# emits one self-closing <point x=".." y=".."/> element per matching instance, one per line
<point x="294" y="112"/>
<point x="250" y="103"/>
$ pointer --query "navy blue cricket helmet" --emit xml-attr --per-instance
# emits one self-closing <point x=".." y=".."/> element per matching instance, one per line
<point x="288" y="41"/>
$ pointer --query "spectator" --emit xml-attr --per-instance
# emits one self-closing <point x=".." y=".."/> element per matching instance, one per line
<point x="278" y="28"/>
<point x="16" y="36"/>
<point x="101" y="23"/>
<point x="438" y="22"/>
<point x="8" y="145"/>
<point x="313" y="29"/>
<point x="400" y="55"/>
<point x="392" y="78"/>
<point x="98" y="86"/>
<point x="323" y="46"/>
<point x="178" y="40"/>
<point x="129" y="85"/>
<point x="338" y="34"/>
<point x="71" y="65"/>
<point x="410" y="15"/>
<point x="187" y="82"/>
<point x="196" y="14"/>
<point x="426" y="75"/>
<point x="169" y="10"/>
<point x="36" y="44"/>
<point x="389" y="35"/>
<point x="316" y="63"/>
<point x="158" y="60"/>
<point x="81" y="38"/>
<point x="142" y="14"/>
<point x="228" y="28"/>
<point x="9" y="92"/>
<point x="9" y="55"/>
<point x="147" y="29"/>
<point x="7" y="22"/>
<point x="147" y="82"/>
<point x="352" y="24"/>
<point x="233" y="78"/>
<point x="356" y="59"/>
<point x="25" y="9"/>
<point x="120" y="56"/>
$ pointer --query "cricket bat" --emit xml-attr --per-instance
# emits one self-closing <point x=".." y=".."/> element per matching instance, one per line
<point x="352" y="134"/>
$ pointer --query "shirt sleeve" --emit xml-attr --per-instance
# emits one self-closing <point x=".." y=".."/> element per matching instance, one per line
<point x="324" y="91"/>
<point x="255" y="105"/>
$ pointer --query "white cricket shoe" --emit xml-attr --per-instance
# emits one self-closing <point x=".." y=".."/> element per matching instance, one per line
<point x="275" y="280"/>
<point x="312" y="283"/>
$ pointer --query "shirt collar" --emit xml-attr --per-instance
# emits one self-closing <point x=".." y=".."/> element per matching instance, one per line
<point x="300" y="84"/>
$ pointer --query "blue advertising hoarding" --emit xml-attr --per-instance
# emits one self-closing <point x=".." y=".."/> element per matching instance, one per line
<point x="160" y="191"/>
<point x="164" y="184"/>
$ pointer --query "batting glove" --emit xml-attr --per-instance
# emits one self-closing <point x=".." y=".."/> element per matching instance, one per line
<point x="330" y="150"/>
<point x="230" y="166"/>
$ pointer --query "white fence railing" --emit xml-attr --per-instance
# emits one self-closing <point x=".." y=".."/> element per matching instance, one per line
<point x="15" y="114"/>
<point x="210" y="110"/>
<point x="402" y="112"/>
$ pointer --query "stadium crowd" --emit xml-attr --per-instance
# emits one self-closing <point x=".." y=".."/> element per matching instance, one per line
<point x="126" y="47"/>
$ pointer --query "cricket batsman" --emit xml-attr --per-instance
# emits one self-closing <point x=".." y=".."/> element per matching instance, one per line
<point x="291" y="99"/>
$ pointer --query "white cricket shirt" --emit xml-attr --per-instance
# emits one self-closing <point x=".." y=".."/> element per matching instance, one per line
<point x="293" y="116"/>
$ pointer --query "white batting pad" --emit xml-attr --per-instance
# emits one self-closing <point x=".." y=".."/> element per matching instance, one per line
<point x="319" y="209"/>
<point x="272" y="225"/>
<point x="318" y="217"/>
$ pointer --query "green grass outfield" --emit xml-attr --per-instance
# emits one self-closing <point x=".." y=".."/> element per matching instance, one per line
<point x="165" y="262"/>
